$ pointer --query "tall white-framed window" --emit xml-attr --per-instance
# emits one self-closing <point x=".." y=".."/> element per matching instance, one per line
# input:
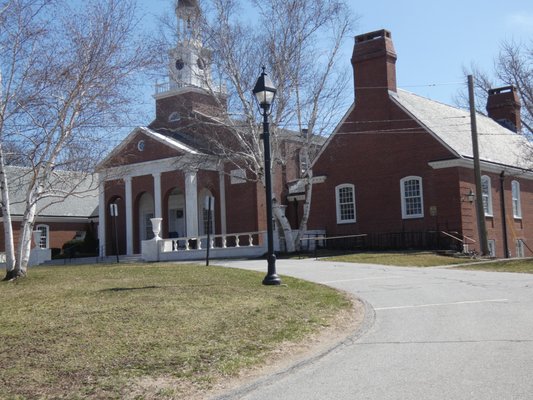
<point x="486" y="190"/>
<point x="412" y="197"/>
<point x="520" y="248"/>
<point x="492" y="247"/>
<point x="44" y="243"/>
<point x="517" y="206"/>
<point x="345" y="203"/>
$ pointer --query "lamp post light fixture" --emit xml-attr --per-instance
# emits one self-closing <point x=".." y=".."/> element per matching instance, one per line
<point x="264" y="92"/>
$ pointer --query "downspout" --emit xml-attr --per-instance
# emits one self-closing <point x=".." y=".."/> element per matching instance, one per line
<point x="504" y="219"/>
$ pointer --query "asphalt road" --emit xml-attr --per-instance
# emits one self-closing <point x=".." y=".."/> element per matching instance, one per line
<point x="429" y="334"/>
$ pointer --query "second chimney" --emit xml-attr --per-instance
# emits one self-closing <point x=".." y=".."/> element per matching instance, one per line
<point x="503" y="105"/>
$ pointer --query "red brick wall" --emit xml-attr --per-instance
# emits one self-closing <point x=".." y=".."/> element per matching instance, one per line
<point x="375" y="157"/>
<point x="59" y="232"/>
<point x="242" y="202"/>
<point x="184" y="103"/>
<point x="130" y="154"/>
<point x="517" y="228"/>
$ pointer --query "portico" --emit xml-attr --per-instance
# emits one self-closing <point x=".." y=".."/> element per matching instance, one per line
<point x="170" y="188"/>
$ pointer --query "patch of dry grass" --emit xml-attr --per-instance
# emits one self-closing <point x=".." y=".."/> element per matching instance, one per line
<point x="146" y="331"/>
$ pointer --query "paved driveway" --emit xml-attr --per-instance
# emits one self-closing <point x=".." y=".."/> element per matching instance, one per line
<point x="431" y="334"/>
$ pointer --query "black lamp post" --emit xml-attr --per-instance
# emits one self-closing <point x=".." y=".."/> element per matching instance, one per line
<point x="264" y="92"/>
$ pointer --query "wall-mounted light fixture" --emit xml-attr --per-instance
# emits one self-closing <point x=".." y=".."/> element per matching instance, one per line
<point x="470" y="196"/>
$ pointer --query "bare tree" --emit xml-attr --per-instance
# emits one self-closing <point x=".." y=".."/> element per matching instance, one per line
<point x="512" y="66"/>
<point x="68" y="72"/>
<point x="299" y="43"/>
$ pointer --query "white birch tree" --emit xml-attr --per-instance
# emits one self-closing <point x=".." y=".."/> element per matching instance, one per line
<point x="68" y="73"/>
<point x="299" y="42"/>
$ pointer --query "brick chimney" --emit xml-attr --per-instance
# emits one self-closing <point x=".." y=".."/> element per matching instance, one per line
<point x="374" y="63"/>
<point x="503" y="105"/>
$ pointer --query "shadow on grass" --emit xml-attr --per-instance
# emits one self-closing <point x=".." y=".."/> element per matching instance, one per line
<point x="124" y="289"/>
<point x="127" y="289"/>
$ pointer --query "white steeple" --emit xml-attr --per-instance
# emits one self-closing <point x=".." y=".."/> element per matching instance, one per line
<point x="189" y="64"/>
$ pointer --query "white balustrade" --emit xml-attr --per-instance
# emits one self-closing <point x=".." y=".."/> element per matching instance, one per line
<point x="184" y="243"/>
<point x="192" y="248"/>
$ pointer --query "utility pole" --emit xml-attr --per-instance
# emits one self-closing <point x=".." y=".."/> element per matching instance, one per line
<point x="480" y="210"/>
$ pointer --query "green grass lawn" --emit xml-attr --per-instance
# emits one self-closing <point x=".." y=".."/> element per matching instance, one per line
<point x="401" y="259"/>
<point x="523" y="266"/>
<point x="428" y="259"/>
<point x="146" y="331"/>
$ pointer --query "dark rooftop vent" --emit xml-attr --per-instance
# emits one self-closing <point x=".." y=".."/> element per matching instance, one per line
<point x="365" y="37"/>
<point x="504" y="89"/>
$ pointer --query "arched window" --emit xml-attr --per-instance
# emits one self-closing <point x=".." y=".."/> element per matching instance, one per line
<point x="486" y="190"/>
<point x="345" y="203"/>
<point x="517" y="206"/>
<point x="44" y="243"/>
<point x="412" y="197"/>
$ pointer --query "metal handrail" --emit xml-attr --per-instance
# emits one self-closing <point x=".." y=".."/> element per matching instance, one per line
<point x="456" y="238"/>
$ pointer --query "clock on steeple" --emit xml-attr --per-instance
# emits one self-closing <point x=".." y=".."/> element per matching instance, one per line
<point x="189" y="60"/>
<point x="189" y="71"/>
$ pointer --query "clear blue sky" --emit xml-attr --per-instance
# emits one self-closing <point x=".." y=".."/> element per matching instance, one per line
<point x="433" y="39"/>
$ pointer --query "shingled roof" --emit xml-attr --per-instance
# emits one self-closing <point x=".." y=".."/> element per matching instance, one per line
<point x="451" y="126"/>
<point x="81" y="203"/>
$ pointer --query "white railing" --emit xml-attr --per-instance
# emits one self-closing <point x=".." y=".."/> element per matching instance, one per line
<point x="172" y="86"/>
<point x="168" y="87"/>
<point x="463" y="241"/>
<point x="242" y="244"/>
<point x="225" y="241"/>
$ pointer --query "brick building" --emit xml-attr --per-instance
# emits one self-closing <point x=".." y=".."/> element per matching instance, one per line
<point x="60" y="217"/>
<point x="169" y="168"/>
<point x="399" y="167"/>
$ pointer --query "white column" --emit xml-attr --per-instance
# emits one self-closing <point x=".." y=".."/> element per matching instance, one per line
<point x="101" y="217"/>
<point x="157" y="195"/>
<point x="222" y="190"/>
<point x="191" y="203"/>
<point x="129" y="216"/>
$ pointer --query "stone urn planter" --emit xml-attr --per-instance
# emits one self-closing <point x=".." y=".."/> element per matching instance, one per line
<point x="156" y="227"/>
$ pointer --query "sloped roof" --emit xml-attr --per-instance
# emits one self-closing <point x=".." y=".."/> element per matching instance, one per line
<point x="161" y="137"/>
<point x="175" y="142"/>
<point x="82" y="203"/>
<point x="451" y="125"/>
